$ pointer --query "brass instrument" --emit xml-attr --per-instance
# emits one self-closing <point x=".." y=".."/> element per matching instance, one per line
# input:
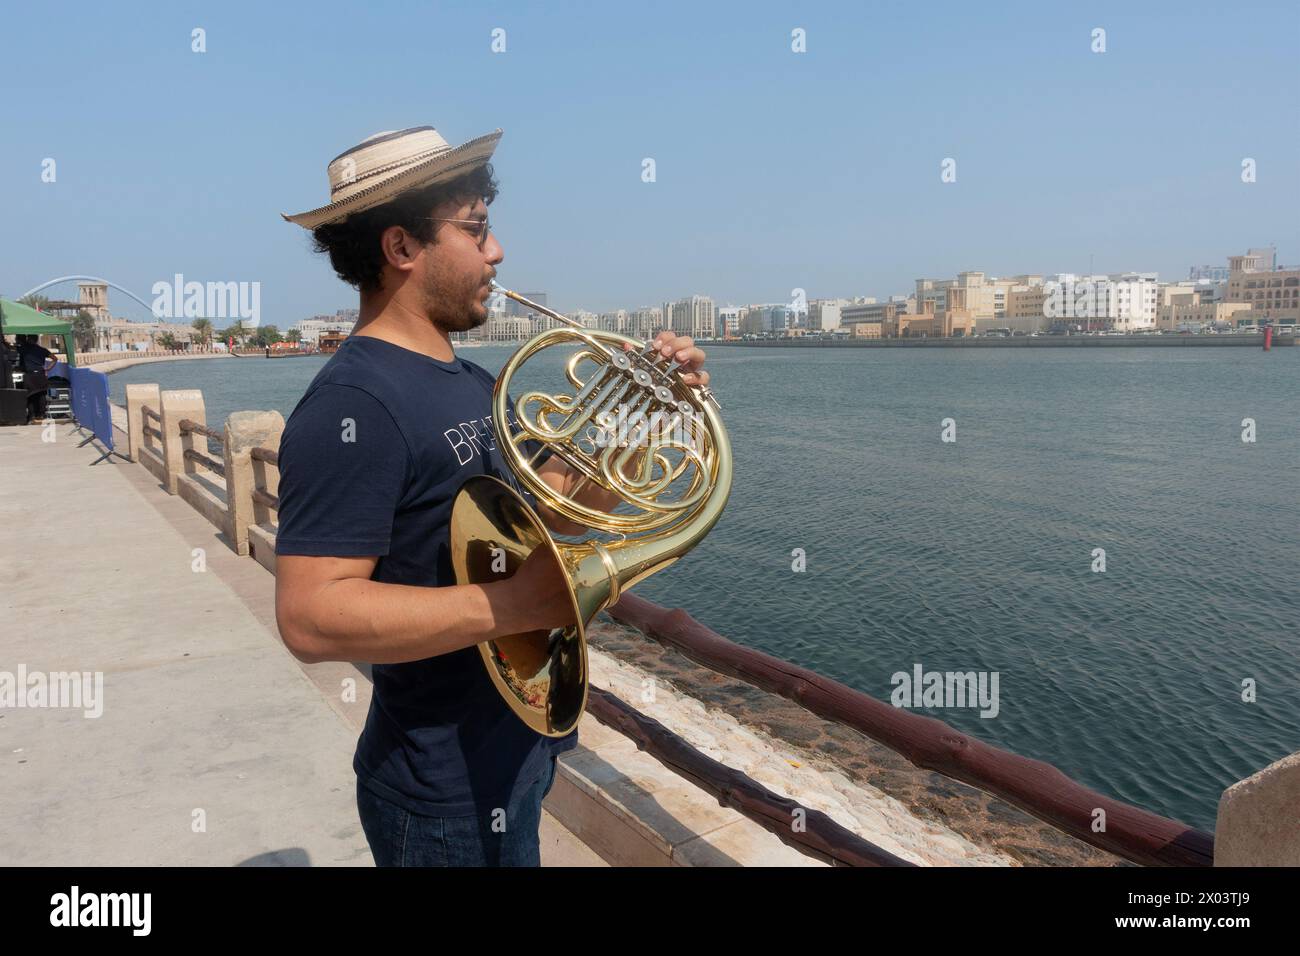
<point x="631" y="427"/>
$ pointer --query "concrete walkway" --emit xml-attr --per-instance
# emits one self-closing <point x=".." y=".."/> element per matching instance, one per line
<point x="215" y="746"/>
<point x="111" y="362"/>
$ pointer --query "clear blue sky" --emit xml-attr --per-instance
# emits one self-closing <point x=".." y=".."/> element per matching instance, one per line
<point x="775" y="170"/>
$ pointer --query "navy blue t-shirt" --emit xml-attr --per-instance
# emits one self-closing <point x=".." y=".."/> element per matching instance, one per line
<point x="370" y="463"/>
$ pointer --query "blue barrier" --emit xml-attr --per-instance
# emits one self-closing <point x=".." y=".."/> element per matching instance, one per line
<point x="90" y="406"/>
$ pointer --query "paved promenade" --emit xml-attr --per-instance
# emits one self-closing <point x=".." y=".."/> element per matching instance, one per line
<point x="111" y="362"/>
<point x="214" y="746"/>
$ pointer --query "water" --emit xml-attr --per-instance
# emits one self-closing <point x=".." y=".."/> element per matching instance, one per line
<point x="977" y="555"/>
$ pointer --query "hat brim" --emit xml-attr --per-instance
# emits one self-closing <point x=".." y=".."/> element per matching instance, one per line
<point x="442" y="168"/>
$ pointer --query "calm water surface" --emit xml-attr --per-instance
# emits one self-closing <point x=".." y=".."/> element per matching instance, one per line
<point x="977" y="554"/>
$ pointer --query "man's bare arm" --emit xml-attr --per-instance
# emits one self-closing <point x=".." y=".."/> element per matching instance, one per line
<point x="328" y="609"/>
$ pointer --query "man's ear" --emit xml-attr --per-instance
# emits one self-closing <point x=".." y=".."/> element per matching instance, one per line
<point x="400" y="248"/>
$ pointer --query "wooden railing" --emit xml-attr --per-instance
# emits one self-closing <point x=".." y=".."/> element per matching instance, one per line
<point x="188" y="427"/>
<point x="1032" y="785"/>
<point x="807" y="830"/>
<point x="260" y="494"/>
<point x="151" y="415"/>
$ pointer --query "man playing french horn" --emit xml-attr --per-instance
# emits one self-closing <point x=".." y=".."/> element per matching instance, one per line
<point x="371" y="461"/>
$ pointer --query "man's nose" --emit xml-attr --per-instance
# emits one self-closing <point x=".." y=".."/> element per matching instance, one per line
<point x="493" y="249"/>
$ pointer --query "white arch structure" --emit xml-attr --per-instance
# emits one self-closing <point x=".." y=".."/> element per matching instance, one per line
<point x="124" y="291"/>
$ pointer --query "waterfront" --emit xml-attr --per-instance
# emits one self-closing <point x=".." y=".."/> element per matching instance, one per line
<point x="976" y="555"/>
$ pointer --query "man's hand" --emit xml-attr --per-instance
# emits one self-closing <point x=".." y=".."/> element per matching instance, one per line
<point x="539" y="592"/>
<point x="683" y="349"/>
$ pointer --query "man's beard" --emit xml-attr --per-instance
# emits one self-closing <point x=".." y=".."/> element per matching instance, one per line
<point x="450" y="321"/>
<point x="460" y="323"/>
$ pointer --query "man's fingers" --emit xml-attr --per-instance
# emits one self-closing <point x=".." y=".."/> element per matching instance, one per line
<point x="692" y="356"/>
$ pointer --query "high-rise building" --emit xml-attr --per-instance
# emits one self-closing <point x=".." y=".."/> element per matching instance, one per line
<point x="694" y="316"/>
<point x="647" y="322"/>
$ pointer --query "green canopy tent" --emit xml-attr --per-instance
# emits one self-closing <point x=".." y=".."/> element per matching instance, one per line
<point x="19" y="319"/>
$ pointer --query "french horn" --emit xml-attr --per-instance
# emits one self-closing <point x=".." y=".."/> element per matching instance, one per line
<point x="632" y="427"/>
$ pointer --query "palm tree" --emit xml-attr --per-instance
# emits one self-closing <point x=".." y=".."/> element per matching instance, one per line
<point x="237" y="332"/>
<point x="83" y="330"/>
<point x="293" y="335"/>
<point x="204" y="328"/>
<point x="39" y="302"/>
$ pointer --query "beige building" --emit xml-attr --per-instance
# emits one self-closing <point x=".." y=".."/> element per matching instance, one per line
<point x="118" y="334"/>
<point x="93" y="298"/>
<point x="1272" y="296"/>
<point x="1188" y="312"/>
<point x="947" y="323"/>
<point x="506" y="328"/>
<point x="984" y="297"/>
<point x="1026" y="309"/>
<point x="873" y="311"/>
<point x="826" y="315"/>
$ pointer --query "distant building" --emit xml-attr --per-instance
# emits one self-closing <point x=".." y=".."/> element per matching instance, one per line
<point x="729" y="321"/>
<point x="1026" y="308"/>
<point x="1186" y="312"/>
<point x="694" y="316"/>
<point x="506" y="328"/>
<point x="985" y="298"/>
<point x="516" y="310"/>
<point x="1273" y="295"/>
<point x="93" y="298"/>
<point x="874" y="313"/>
<point x="956" y="321"/>
<point x="647" y="322"/>
<point x="1120" y="301"/>
<point x="1212" y="273"/>
<point x="824" y="314"/>
<point x="310" y="331"/>
<point x="620" y="320"/>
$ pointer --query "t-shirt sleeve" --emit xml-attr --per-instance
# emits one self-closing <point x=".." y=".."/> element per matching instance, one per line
<point x="343" y="470"/>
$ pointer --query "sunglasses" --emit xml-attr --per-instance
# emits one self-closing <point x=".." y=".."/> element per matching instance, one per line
<point x="480" y="234"/>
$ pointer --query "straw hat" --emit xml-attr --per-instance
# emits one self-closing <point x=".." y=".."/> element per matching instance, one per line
<point x="386" y="164"/>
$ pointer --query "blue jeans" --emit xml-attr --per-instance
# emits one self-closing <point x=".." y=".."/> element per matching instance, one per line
<point x="398" y="837"/>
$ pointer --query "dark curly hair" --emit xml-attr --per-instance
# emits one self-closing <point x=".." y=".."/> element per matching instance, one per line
<point x="353" y="244"/>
